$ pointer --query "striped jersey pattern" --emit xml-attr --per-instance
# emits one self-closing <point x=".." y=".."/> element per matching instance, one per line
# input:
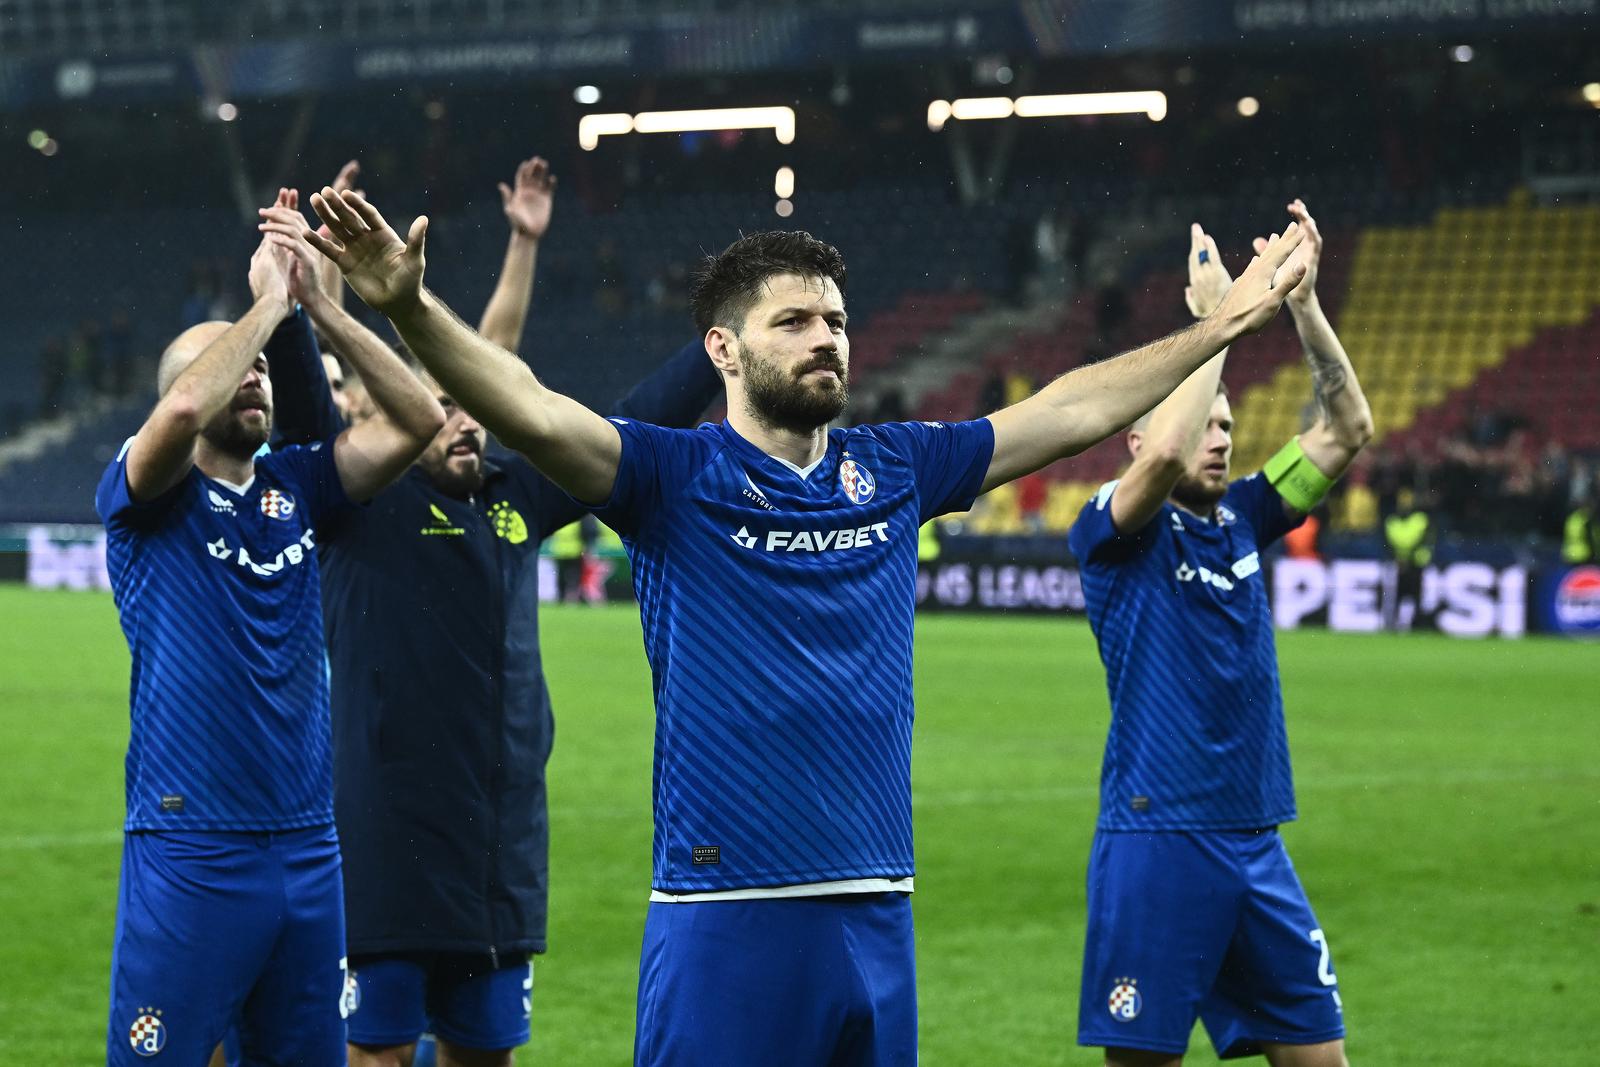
<point x="777" y="614"/>
<point x="1180" y="611"/>
<point x="218" y="594"/>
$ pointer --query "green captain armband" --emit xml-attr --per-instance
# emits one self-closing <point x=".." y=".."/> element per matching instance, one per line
<point x="1296" y="478"/>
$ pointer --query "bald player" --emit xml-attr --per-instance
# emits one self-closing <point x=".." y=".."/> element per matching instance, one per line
<point x="230" y="903"/>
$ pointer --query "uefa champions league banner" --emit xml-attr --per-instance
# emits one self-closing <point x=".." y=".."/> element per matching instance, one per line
<point x="1464" y="599"/>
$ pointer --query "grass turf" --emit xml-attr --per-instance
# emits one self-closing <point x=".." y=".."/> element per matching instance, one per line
<point x="1450" y="835"/>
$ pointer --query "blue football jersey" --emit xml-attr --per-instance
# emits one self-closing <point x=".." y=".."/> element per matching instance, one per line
<point x="1180" y="611"/>
<point x="777" y="612"/>
<point x="218" y="593"/>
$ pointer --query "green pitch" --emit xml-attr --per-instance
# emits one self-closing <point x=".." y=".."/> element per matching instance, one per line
<point x="1449" y="836"/>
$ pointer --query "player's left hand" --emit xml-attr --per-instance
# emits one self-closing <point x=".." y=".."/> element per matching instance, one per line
<point x="385" y="271"/>
<point x="1309" y="253"/>
<point x="1208" y="278"/>
<point x="528" y="204"/>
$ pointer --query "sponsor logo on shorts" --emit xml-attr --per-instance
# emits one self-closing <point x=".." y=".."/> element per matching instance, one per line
<point x="1125" y="1001"/>
<point x="148" y="1034"/>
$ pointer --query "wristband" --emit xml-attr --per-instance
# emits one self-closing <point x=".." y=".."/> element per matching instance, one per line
<point x="1296" y="478"/>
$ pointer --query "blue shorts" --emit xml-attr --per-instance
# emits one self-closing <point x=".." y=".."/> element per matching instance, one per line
<point x="1211" y="924"/>
<point x="467" y="1000"/>
<point x="796" y="981"/>
<point x="217" y="928"/>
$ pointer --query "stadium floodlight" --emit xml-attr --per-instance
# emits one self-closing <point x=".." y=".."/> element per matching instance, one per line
<point x="783" y="183"/>
<point x="586" y="94"/>
<point x="593" y="127"/>
<point x="1591" y="93"/>
<point x="780" y="120"/>
<point x="1249" y="106"/>
<point x="1149" y="102"/>
<point x="983" y="107"/>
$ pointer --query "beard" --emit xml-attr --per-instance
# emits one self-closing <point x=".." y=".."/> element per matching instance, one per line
<point x="781" y="400"/>
<point x="451" y="479"/>
<point x="1197" y="494"/>
<point x="228" y="433"/>
<point x="456" y="475"/>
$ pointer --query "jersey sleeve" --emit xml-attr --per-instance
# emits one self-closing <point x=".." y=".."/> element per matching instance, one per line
<point x="654" y="464"/>
<point x="1258" y="502"/>
<point x="1094" y="538"/>
<point x="303" y="410"/>
<point x="315" y="477"/>
<point x="949" y="460"/>
<point x="115" y="504"/>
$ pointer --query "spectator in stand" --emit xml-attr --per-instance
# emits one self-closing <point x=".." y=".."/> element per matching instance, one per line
<point x="992" y="397"/>
<point x="117" y="354"/>
<point x="1410" y="535"/>
<point x="891" y="406"/>
<point x="206" y="300"/>
<point x="1032" y="492"/>
<point x="610" y="295"/>
<point x="1301" y="542"/>
<point x="1111" y="314"/>
<point x="53" y="372"/>
<point x="83" y="362"/>
<point x="1580" y="535"/>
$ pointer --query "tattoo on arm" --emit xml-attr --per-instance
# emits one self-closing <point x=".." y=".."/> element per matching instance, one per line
<point x="1327" y="381"/>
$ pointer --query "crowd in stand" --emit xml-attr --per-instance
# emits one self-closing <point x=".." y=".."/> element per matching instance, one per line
<point x="1492" y="478"/>
<point x="93" y="359"/>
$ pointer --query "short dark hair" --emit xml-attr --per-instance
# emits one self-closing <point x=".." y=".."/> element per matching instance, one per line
<point x="727" y="286"/>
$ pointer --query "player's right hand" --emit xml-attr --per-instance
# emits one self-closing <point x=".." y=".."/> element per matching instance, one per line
<point x="1252" y="301"/>
<point x="385" y="271"/>
<point x="285" y="227"/>
<point x="269" y="275"/>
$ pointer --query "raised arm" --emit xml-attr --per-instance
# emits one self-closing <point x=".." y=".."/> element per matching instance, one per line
<point x="1092" y="403"/>
<point x="375" y="451"/>
<point x="328" y="277"/>
<point x="1344" y="418"/>
<point x="1174" y="429"/>
<point x="527" y="205"/>
<point x="192" y="395"/>
<point x="574" y="447"/>
<point x="303" y="407"/>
